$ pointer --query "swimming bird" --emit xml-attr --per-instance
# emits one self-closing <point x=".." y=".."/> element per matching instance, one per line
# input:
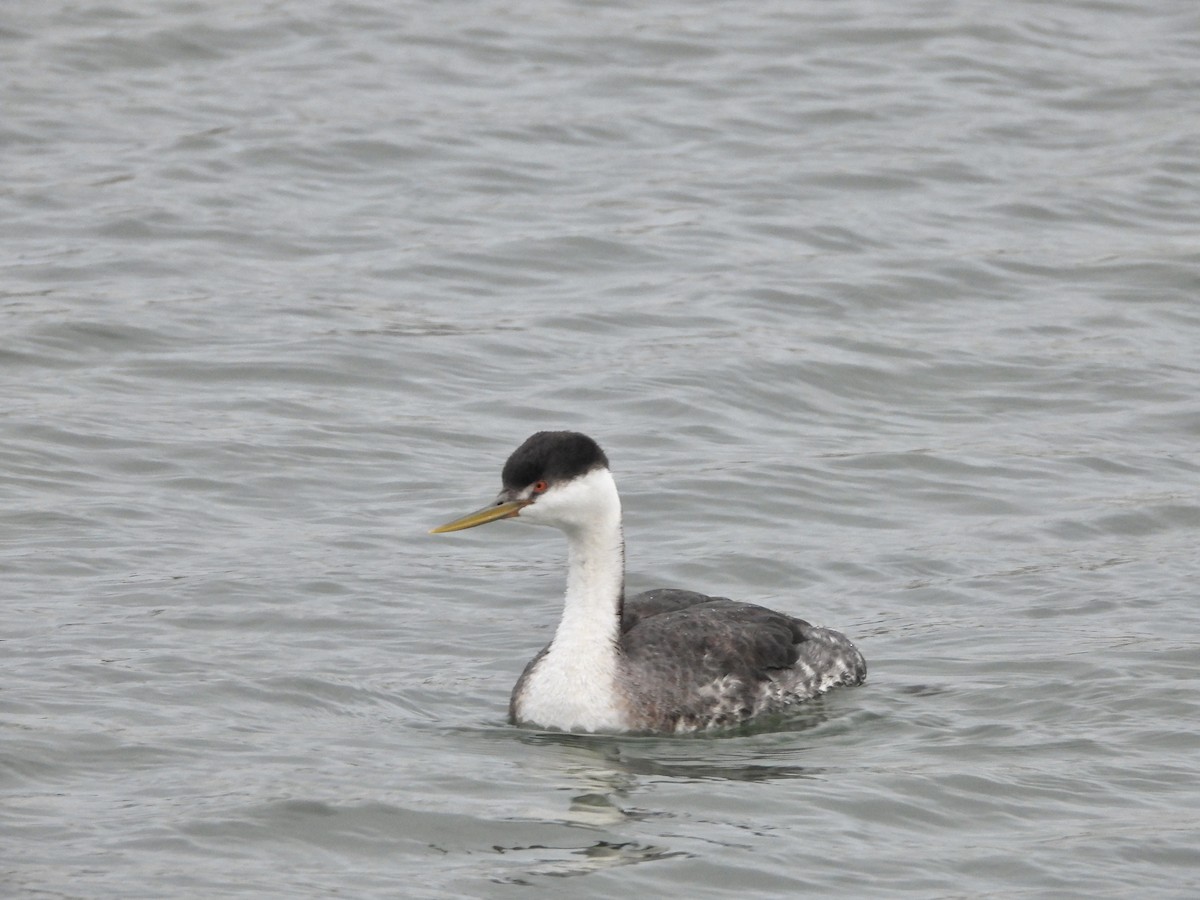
<point x="664" y="661"/>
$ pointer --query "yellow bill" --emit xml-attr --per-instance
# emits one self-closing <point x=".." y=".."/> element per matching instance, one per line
<point x="483" y="516"/>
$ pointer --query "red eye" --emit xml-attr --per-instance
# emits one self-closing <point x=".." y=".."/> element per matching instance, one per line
<point x="539" y="487"/>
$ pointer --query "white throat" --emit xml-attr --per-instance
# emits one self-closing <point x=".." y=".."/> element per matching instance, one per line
<point x="573" y="687"/>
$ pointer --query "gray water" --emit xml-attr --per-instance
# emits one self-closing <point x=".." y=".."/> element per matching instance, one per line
<point x="887" y="315"/>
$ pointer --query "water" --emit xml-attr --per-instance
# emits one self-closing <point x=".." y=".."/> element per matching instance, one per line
<point x="886" y="316"/>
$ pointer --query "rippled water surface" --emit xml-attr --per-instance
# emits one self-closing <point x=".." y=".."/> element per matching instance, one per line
<point x="887" y="316"/>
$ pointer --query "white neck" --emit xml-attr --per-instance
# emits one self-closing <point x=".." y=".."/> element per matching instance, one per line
<point x="574" y="685"/>
<point x="595" y="584"/>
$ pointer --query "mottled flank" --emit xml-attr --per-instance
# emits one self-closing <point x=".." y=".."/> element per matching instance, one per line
<point x="689" y="662"/>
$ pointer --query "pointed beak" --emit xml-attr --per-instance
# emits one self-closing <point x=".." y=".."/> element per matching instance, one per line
<point x="501" y="509"/>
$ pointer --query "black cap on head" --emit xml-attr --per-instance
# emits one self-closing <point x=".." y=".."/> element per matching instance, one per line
<point x="552" y="456"/>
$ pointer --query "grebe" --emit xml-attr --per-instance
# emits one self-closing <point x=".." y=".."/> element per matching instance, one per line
<point x="664" y="661"/>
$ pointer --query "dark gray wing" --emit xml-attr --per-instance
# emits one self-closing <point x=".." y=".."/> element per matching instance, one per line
<point x="713" y="635"/>
<point x="700" y="661"/>
<point x="660" y="600"/>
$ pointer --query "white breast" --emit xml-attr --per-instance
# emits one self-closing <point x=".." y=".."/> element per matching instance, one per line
<point x="573" y="694"/>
